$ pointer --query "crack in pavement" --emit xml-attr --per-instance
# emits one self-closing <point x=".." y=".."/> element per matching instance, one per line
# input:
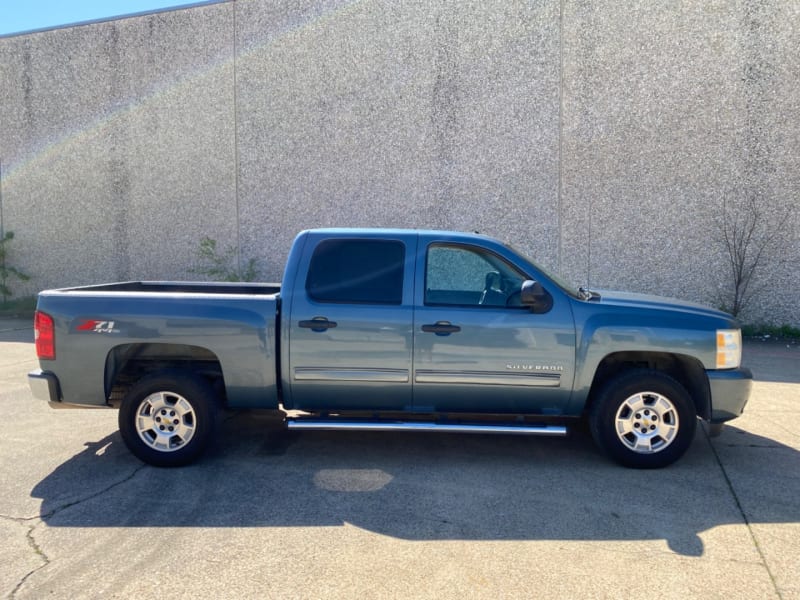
<point x="39" y="552"/>
<point x="29" y="536"/>
<point x="72" y="503"/>
<point x="743" y="514"/>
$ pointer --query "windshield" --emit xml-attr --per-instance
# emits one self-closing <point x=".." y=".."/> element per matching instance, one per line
<point x="564" y="285"/>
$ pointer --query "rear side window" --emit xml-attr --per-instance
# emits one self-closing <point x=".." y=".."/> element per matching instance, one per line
<point x="357" y="272"/>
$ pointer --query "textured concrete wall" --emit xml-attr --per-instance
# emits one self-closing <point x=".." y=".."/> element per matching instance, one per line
<point x="604" y="138"/>
<point x="117" y="142"/>
<point x="440" y="114"/>
<point x="673" y="116"/>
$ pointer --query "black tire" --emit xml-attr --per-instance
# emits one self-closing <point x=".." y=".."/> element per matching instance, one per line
<point x="169" y="418"/>
<point x="643" y="419"/>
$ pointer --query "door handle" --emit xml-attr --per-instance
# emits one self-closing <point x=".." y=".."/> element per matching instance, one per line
<point x="441" y="328"/>
<point x="318" y="324"/>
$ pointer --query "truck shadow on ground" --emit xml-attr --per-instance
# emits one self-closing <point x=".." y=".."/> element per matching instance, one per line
<point x="420" y="486"/>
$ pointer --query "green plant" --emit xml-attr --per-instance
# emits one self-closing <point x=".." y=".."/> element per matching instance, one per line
<point x="223" y="264"/>
<point x="7" y="272"/>
<point x="783" y="332"/>
<point x="23" y="307"/>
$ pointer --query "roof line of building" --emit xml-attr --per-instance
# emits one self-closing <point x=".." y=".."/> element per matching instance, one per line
<point x="114" y="18"/>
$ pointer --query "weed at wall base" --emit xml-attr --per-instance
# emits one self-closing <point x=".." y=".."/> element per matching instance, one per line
<point x="220" y="265"/>
<point x="7" y="272"/>
<point x="777" y="332"/>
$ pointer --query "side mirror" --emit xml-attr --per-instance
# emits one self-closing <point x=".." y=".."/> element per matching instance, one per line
<point x="535" y="296"/>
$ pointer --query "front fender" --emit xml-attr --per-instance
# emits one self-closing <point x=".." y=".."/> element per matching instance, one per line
<point x="606" y="334"/>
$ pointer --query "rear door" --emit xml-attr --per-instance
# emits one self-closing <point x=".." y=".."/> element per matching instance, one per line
<point x="476" y="348"/>
<point x="350" y="338"/>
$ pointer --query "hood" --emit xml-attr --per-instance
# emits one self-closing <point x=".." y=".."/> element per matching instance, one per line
<point x="647" y="301"/>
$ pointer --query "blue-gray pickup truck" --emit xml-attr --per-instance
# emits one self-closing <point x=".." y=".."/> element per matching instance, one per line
<point x="376" y="329"/>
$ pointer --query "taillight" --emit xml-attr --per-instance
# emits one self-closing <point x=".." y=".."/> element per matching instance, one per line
<point x="45" y="335"/>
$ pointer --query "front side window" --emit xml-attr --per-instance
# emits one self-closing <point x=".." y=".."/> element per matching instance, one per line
<point x="357" y="272"/>
<point x="465" y="276"/>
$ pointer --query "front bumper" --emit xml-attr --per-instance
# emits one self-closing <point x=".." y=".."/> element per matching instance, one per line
<point x="730" y="391"/>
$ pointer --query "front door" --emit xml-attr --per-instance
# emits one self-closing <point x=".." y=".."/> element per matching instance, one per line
<point x="475" y="348"/>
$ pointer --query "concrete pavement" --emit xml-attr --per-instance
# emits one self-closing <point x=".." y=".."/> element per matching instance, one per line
<point x="338" y="515"/>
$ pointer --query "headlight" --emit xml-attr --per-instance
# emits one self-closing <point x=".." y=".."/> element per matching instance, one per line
<point x="729" y="348"/>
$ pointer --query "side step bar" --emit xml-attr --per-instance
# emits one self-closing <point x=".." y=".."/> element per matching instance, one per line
<point x="333" y="424"/>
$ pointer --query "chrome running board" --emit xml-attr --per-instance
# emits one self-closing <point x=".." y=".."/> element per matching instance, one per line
<point x="333" y="424"/>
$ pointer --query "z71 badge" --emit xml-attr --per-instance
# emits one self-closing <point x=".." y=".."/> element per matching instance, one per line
<point x="97" y="326"/>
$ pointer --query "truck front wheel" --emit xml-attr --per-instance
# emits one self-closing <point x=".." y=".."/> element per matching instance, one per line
<point x="168" y="419"/>
<point x="643" y="419"/>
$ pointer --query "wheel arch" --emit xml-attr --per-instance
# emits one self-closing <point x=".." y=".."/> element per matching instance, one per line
<point x="128" y="363"/>
<point x="686" y="370"/>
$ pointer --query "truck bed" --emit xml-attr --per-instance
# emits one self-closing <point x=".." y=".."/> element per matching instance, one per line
<point x="133" y="326"/>
<point x="181" y="287"/>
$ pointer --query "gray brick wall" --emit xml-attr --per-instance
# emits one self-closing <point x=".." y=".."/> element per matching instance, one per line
<point x="602" y="138"/>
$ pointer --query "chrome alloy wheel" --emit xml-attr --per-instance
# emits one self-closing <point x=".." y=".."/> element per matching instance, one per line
<point x="165" y="421"/>
<point x="647" y="422"/>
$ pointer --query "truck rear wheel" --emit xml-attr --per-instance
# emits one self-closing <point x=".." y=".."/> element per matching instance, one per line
<point x="168" y="419"/>
<point x="643" y="419"/>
